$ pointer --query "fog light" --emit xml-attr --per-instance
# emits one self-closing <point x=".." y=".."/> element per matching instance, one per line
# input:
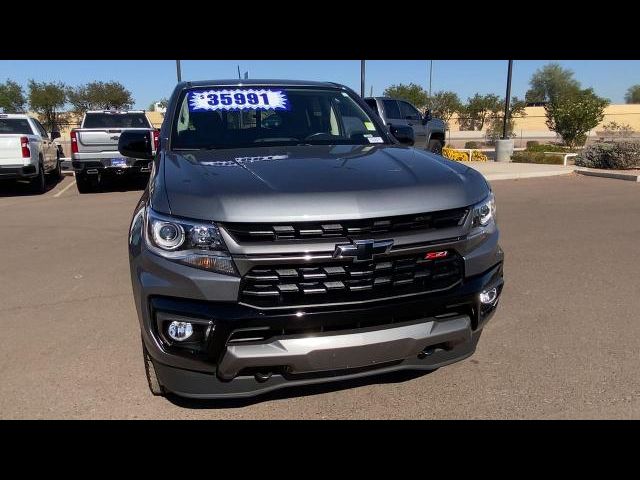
<point x="489" y="296"/>
<point x="180" y="331"/>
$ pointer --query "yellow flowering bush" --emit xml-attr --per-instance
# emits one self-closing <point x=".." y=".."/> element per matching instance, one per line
<point x="478" y="156"/>
<point x="452" y="154"/>
<point x="459" y="156"/>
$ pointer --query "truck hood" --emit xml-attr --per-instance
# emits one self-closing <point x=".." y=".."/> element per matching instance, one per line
<point x="309" y="183"/>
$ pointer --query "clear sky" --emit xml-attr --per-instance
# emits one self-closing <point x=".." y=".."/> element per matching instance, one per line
<point x="150" y="80"/>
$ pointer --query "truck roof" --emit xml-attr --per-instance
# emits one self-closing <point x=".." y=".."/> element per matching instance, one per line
<point x="259" y="82"/>
<point x="121" y="112"/>
<point x="15" y="115"/>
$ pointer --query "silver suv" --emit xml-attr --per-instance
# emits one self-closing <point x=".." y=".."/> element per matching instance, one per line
<point x="287" y="237"/>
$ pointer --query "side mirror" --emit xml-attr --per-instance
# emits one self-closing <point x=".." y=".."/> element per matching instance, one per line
<point x="55" y="134"/>
<point x="427" y="116"/>
<point x="135" y="144"/>
<point x="403" y="134"/>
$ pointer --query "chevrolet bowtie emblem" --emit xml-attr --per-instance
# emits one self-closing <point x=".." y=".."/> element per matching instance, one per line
<point x="362" y="250"/>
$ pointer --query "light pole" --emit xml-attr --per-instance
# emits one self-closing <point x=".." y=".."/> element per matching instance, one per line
<point x="178" y="70"/>
<point x="362" y="78"/>
<point x="430" y="74"/>
<point x="507" y="101"/>
<point x="504" y="145"/>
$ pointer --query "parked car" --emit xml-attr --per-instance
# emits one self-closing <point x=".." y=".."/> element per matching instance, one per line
<point x="27" y="151"/>
<point x="94" y="147"/>
<point x="429" y="132"/>
<point x="315" y="248"/>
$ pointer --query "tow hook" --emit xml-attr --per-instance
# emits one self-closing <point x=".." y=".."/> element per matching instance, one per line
<point x="263" y="376"/>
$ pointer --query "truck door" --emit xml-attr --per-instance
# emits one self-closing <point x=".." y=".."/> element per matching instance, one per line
<point x="413" y="118"/>
<point x="48" y="148"/>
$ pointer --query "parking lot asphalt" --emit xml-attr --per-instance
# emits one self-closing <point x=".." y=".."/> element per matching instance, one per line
<point x="565" y="342"/>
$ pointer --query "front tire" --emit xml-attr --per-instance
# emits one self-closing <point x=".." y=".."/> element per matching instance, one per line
<point x="154" y="384"/>
<point x="435" y="146"/>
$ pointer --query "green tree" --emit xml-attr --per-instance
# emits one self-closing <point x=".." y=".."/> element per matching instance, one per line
<point x="47" y="99"/>
<point x="573" y="114"/>
<point x="516" y="109"/>
<point x="12" y="98"/>
<point x="161" y="103"/>
<point x="444" y="104"/>
<point x="412" y="93"/>
<point x="550" y="81"/>
<point x="99" y="96"/>
<point x="477" y="111"/>
<point x="633" y="94"/>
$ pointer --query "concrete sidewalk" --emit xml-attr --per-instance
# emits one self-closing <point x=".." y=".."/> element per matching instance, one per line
<point x="508" y="170"/>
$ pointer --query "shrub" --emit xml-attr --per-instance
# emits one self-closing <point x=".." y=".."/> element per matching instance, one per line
<point x="532" y="143"/>
<point x="614" y="130"/>
<point x="537" y="157"/>
<point x="452" y="154"/>
<point x="610" y="156"/>
<point x="472" y="145"/>
<point x="478" y="156"/>
<point x="547" y="148"/>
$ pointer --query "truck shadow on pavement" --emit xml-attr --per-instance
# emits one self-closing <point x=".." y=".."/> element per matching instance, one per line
<point x="120" y="185"/>
<point x="300" y="391"/>
<point x="13" y="188"/>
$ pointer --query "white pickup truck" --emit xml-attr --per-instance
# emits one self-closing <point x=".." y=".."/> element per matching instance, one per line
<point x="94" y="146"/>
<point x="27" y="152"/>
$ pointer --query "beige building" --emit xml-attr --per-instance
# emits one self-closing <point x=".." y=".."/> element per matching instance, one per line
<point x="534" y="118"/>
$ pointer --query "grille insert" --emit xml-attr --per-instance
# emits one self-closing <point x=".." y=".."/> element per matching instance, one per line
<point x="310" y="284"/>
<point x="260" y="232"/>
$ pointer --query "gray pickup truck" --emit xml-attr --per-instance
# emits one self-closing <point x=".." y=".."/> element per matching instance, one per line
<point x="94" y="146"/>
<point x="286" y="237"/>
<point x="428" y="131"/>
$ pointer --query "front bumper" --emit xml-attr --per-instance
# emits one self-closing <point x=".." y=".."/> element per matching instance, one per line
<point x="204" y="385"/>
<point x="313" y="345"/>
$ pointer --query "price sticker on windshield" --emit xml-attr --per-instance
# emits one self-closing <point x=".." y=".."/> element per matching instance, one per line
<point x="238" y="99"/>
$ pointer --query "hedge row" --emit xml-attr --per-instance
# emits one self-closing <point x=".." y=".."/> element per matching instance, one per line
<point x="537" y="157"/>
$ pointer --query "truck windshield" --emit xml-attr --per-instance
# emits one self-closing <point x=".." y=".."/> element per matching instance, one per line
<point x="229" y="117"/>
<point x="15" y="126"/>
<point x="115" y="120"/>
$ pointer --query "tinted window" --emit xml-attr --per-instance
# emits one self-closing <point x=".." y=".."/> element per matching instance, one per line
<point x="391" y="108"/>
<point x="408" y="110"/>
<point x="115" y="120"/>
<point x="218" y="117"/>
<point x="373" y="104"/>
<point x="16" y="126"/>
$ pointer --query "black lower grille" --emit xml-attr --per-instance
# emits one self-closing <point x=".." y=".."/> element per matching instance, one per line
<point x="335" y="282"/>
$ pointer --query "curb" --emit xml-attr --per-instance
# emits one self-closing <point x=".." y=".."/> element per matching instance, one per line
<point x="515" y="176"/>
<point x="632" y="177"/>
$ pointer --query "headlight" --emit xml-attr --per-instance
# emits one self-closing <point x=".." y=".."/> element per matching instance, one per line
<point x="197" y="244"/>
<point x="484" y="212"/>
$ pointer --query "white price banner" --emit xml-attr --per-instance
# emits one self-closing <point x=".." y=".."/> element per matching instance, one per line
<point x="238" y="99"/>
